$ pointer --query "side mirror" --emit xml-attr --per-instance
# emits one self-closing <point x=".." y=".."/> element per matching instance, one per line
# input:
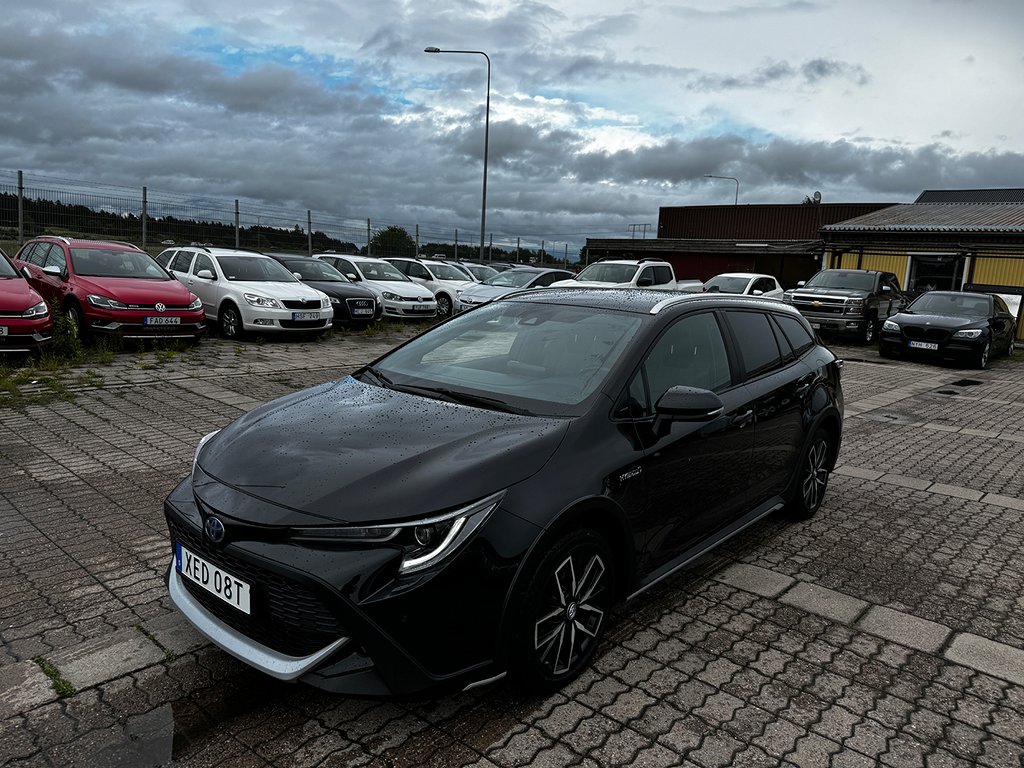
<point x="53" y="270"/>
<point x="296" y="275"/>
<point x="205" y="274"/>
<point x="757" y="292"/>
<point x="643" y="282"/>
<point x="886" y="289"/>
<point x="682" y="403"/>
<point x="27" y="273"/>
<point x="800" y="283"/>
<point x="353" y="277"/>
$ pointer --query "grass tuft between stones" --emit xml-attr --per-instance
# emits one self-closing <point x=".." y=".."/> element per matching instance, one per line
<point x="63" y="688"/>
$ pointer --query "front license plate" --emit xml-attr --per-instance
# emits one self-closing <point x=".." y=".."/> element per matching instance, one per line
<point x="305" y="315"/>
<point x="922" y="345"/>
<point x="3" y="330"/>
<point x="362" y="311"/>
<point x="161" y="321"/>
<point x="222" y="584"/>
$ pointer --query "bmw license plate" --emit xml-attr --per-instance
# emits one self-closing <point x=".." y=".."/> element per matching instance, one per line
<point x="3" y="330"/>
<point x="217" y="582"/>
<point x="161" y="321"/>
<point x="922" y="345"/>
<point x="305" y="315"/>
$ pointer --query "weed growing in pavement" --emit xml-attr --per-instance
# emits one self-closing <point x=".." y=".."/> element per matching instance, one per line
<point x="62" y="687"/>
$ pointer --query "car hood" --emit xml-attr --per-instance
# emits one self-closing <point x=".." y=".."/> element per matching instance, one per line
<point x="947" y="322"/>
<point x="351" y="452"/>
<point x="485" y="292"/>
<point x="277" y="290"/>
<point x="133" y="290"/>
<point x="16" y="295"/>
<point x="405" y="290"/>
<point x="853" y="293"/>
<point x="341" y="290"/>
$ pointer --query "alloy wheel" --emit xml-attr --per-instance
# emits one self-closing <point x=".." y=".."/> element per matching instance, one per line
<point x="815" y="477"/>
<point x="983" y="356"/>
<point x="230" y="322"/>
<point x="444" y="306"/>
<point x="570" y="622"/>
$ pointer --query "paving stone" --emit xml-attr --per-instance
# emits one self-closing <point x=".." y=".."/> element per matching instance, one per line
<point x="860" y="472"/>
<point x="173" y="632"/>
<point x="824" y="602"/>
<point x="1010" y="502"/>
<point x="23" y="686"/>
<point x="957" y="491"/>
<point x="752" y="578"/>
<point x="984" y="655"/>
<point x="903" y="628"/>
<point x="106" y="658"/>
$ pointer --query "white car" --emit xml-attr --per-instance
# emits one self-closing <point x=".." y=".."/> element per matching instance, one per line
<point x="445" y="281"/>
<point x="747" y="283"/>
<point x="400" y="296"/>
<point x="248" y="292"/>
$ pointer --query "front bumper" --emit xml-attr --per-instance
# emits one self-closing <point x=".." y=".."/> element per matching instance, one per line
<point x="339" y="619"/>
<point x="408" y="310"/>
<point x="142" y="324"/>
<point x="851" y="324"/>
<point x="952" y="350"/>
<point x="25" y="335"/>
<point x="263" y="320"/>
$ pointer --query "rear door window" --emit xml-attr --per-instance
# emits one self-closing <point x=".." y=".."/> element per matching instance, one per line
<point x="755" y="342"/>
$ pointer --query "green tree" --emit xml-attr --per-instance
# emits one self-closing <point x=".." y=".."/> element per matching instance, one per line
<point x="393" y="241"/>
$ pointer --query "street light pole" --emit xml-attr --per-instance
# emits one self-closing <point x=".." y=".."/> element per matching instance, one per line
<point x="730" y="178"/>
<point x="487" y="129"/>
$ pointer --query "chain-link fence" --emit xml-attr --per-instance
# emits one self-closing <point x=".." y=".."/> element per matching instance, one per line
<point x="37" y="205"/>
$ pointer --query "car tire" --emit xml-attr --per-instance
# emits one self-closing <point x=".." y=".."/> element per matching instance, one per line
<point x="870" y="334"/>
<point x="812" y="478"/>
<point x="231" y="322"/>
<point x="76" y="321"/>
<point x="563" y="612"/>
<point x="444" y="305"/>
<point x="981" y="361"/>
<point x="1011" y="345"/>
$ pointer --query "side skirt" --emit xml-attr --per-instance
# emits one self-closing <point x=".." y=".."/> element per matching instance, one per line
<point x="701" y="549"/>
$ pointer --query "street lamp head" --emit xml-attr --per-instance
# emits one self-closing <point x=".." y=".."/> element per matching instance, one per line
<point x="431" y="49"/>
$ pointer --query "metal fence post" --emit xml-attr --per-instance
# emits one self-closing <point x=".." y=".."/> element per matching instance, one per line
<point x="144" y="209"/>
<point x="21" y="209"/>
<point x="309" y="232"/>
<point x="236" y="223"/>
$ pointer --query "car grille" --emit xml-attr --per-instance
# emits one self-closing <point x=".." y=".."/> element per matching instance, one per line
<point x="822" y="305"/>
<point x="299" y="304"/>
<point x="167" y="307"/>
<point x="286" y="615"/>
<point x="360" y="304"/>
<point x="926" y="334"/>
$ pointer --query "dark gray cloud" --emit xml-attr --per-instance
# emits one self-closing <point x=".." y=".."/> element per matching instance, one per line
<point x="811" y="72"/>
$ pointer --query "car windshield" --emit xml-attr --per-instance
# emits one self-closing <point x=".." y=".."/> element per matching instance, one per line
<point x="958" y="304"/>
<point x="447" y="272"/>
<point x="6" y="268"/>
<point x="106" y="262"/>
<point x="842" y="278"/>
<point x="608" y="273"/>
<point x="481" y="272"/>
<point x="254" y="269"/>
<point x="380" y="270"/>
<point x="727" y="284"/>
<point x="541" y="359"/>
<point x="512" y="278"/>
<point x="314" y="269"/>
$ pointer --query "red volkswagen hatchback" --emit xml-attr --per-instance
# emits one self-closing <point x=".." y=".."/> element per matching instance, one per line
<point x="25" y="321"/>
<point x="111" y="288"/>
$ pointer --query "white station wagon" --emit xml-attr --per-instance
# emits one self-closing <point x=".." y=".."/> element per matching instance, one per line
<point x="248" y="292"/>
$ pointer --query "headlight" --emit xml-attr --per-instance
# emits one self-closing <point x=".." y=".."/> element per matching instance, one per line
<point x="39" y="310"/>
<point x="424" y="543"/>
<point x="335" y="300"/>
<point x="391" y="296"/>
<point x="969" y="333"/>
<point x="325" y="302"/>
<point x="889" y="325"/>
<point x="197" y="304"/>
<point x="855" y="307"/>
<point x="202" y="441"/>
<point x="105" y="302"/>
<point x="261" y="301"/>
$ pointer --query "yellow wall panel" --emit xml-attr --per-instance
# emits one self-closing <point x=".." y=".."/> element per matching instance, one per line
<point x="989" y="271"/>
<point x="886" y="262"/>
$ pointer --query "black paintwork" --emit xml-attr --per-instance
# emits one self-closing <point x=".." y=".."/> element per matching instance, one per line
<point x="341" y="290"/>
<point x="661" y="489"/>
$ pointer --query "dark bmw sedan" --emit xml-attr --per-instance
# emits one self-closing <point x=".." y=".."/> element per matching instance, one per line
<point x="471" y="505"/>
<point x="353" y="305"/>
<point x="968" y="328"/>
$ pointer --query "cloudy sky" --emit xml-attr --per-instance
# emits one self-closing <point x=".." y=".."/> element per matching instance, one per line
<point x="601" y="111"/>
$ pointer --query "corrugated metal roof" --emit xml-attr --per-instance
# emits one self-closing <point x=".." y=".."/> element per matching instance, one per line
<point x="971" y="196"/>
<point x="992" y="218"/>
<point x="786" y="221"/>
<point x="658" y="245"/>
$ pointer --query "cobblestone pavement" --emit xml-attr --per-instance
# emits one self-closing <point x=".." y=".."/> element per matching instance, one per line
<point x="887" y="630"/>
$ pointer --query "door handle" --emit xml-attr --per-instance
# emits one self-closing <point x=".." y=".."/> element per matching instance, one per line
<point x="742" y="419"/>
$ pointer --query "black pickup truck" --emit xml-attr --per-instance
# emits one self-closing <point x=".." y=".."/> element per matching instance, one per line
<point x="848" y="301"/>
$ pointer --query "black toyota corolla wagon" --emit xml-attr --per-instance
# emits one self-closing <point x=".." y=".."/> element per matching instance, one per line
<point x="472" y="504"/>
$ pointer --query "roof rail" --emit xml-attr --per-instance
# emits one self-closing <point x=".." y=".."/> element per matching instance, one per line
<point x="63" y="239"/>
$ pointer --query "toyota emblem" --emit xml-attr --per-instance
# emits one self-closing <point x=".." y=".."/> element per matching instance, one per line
<point x="160" y="307"/>
<point x="214" y="529"/>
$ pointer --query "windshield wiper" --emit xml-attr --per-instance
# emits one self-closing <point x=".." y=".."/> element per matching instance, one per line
<point x="383" y="380"/>
<point x="465" y="398"/>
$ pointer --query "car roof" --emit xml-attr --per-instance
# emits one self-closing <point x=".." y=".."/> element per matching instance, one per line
<point x="643" y="301"/>
<point x="740" y="274"/>
<point x="84" y="242"/>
